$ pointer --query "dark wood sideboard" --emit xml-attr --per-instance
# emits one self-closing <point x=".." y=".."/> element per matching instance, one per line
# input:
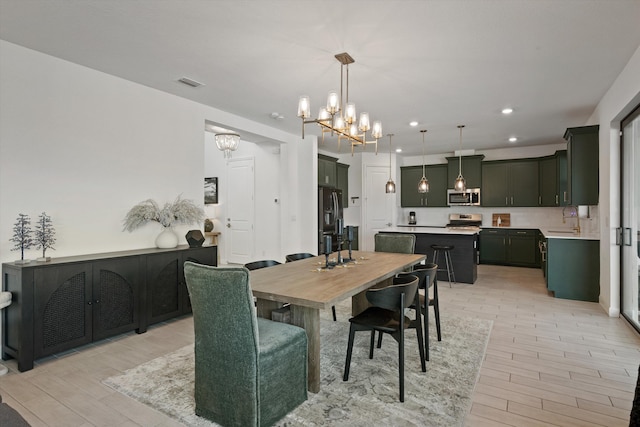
<point x="72" y="301"/>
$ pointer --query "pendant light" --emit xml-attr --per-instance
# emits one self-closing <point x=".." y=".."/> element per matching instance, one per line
<point x="391" y="186"/>
<point x="423" y="185"/>
<point x="460" y="184"/>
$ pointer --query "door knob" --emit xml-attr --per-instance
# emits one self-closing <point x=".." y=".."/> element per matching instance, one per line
<point x="228" y="225"/>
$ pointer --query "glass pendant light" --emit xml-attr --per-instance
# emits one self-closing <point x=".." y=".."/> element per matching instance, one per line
<point x="390" y="187"/>
<point x="460" y="184"/>
<point x="423" y="185"/>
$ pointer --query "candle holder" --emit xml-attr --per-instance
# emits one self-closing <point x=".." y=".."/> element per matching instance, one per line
<point x="349" y="240"/>
<point x="327" y="252"/>
<point x="340" y="260"/>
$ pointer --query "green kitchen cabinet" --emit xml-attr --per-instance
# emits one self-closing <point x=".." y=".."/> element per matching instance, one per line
<point x="510" y="183"/>
<point x="327" y="171"/>
<point x="342" y="182"/>
<point x="522" y="248"/>
<point x="548" y="174"/>
<point x="573" y="268"/>
<point x="553" y="179"/>
<point x="493" y="246"/>
<point x="410" y="176"/>
<point x="582" y="165"/>
<point x="471" y="170"/>
<point x="515" y="247"/>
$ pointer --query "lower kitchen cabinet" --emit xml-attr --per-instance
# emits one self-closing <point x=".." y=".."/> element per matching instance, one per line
<point x="516" y="247"/>
<point x="73" y="301"/>
<point x="573" y="269"/>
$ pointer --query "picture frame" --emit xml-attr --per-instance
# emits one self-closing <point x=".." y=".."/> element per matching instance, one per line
<point x="211" y="191"/>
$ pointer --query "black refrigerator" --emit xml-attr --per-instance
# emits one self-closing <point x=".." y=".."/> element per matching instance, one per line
<point x="329" y="211"/>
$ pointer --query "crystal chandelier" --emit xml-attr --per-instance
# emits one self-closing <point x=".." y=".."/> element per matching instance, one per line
<point x="339" y="116"/>
<point x="227" y="142"/>
<point x="423" y="185"/>
<point x="390" y="187"/>
<point x="460" y="183"/>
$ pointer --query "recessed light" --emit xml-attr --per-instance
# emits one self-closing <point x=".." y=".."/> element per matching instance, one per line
<point x="513" y="139"/>
<point x="413" y="123"/>
<point x="398" y="150"/>
<point x="507" y="110"/>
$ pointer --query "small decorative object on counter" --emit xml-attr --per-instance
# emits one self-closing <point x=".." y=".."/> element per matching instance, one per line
<point x="208" y="225"/>
<point x="499" y="221"/>
<point x="195" y="239"/>
<point x="181" y="211"/>
<point x="45" y="236"/>
<point x="22" y="237"/>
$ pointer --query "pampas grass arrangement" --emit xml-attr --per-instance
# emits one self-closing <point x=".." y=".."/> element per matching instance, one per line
<point x="181" y="211"/>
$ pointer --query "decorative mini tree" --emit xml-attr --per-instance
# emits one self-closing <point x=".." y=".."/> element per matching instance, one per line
<point x="22" y="236"/>
<point x="45" y="235"/>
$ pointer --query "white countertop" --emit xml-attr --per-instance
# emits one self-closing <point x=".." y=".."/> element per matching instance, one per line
<point x="428" y="230"/>
<point x="567" y="233"/>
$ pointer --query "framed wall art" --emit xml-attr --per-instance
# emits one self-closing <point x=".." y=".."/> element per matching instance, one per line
<point x="211" y="191"/>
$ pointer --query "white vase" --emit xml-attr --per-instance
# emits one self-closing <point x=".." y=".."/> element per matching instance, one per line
<point x="167" y="239"/>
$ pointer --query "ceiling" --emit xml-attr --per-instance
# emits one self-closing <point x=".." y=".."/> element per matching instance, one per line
<point x="441" y="63"/>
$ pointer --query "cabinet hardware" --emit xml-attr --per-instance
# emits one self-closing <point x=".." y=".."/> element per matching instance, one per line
<point x="539" y="200"/>
<point x="506" y="201"/>
<point x="511" y="200"/>
<point x="556" y="199"/>
<point x="90" y="303"/>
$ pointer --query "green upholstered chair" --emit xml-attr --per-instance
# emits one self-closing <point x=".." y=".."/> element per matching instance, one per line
<point x="249" y="371"/>
<point x="392" y="242"/>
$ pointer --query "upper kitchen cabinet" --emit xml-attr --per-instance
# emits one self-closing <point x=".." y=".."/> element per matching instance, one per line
<point x="510" y="183"/>
<point x="471" y="170"/>
<point x="327" y="171"/>
<point x="553" y="179"/>
<point x="437" y="195"/>
<point x="582" y="165"/>
<point x="342" y="182"/>
<point x="334" y="174"/>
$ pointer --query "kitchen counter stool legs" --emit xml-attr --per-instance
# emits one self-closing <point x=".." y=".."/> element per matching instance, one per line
<point x="446" y="251"/>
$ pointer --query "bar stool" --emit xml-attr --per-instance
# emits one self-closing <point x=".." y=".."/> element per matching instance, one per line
<point x="446" y="250"/>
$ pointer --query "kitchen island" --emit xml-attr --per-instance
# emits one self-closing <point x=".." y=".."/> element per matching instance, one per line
<point x="572" y="264"/>
<point x="464" y="256"/>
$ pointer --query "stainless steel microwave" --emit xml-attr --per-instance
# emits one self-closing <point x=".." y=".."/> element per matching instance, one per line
<point x="469" y="197"/>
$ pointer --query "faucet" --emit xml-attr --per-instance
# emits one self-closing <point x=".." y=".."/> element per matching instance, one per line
<point x="573" y="212"/>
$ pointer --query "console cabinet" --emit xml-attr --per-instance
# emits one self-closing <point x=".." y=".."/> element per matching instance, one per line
<point x="73" y="301"/>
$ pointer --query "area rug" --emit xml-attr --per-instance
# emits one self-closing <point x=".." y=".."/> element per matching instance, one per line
<point x="439" y="397"/>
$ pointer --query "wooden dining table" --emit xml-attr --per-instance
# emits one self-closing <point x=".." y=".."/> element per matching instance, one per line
<point x="309" y="288"/>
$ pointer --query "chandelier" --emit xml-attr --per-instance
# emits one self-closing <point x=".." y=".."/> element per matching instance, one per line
<point x="227" y="142"/>
<point x="339" y="116"/>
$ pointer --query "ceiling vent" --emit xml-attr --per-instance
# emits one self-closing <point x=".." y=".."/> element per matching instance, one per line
<point x="190" y="82"/>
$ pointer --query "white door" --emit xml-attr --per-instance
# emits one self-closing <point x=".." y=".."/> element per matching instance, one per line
<point x="239" y="233"/>
<point x="378" y="204"/>
<point x="630" y="221"/>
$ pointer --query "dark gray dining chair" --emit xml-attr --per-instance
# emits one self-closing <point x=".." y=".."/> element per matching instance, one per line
<point x="386" y="315"/>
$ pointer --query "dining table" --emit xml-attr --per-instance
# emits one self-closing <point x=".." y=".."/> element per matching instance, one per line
<point x="308" y="286"/>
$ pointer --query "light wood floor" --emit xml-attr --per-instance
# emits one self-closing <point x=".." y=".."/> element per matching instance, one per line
<point x="549" y="362"/>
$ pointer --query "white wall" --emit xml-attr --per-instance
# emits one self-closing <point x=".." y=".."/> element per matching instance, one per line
<point x="85" y="146"/>
<point x="617" y="103"/>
